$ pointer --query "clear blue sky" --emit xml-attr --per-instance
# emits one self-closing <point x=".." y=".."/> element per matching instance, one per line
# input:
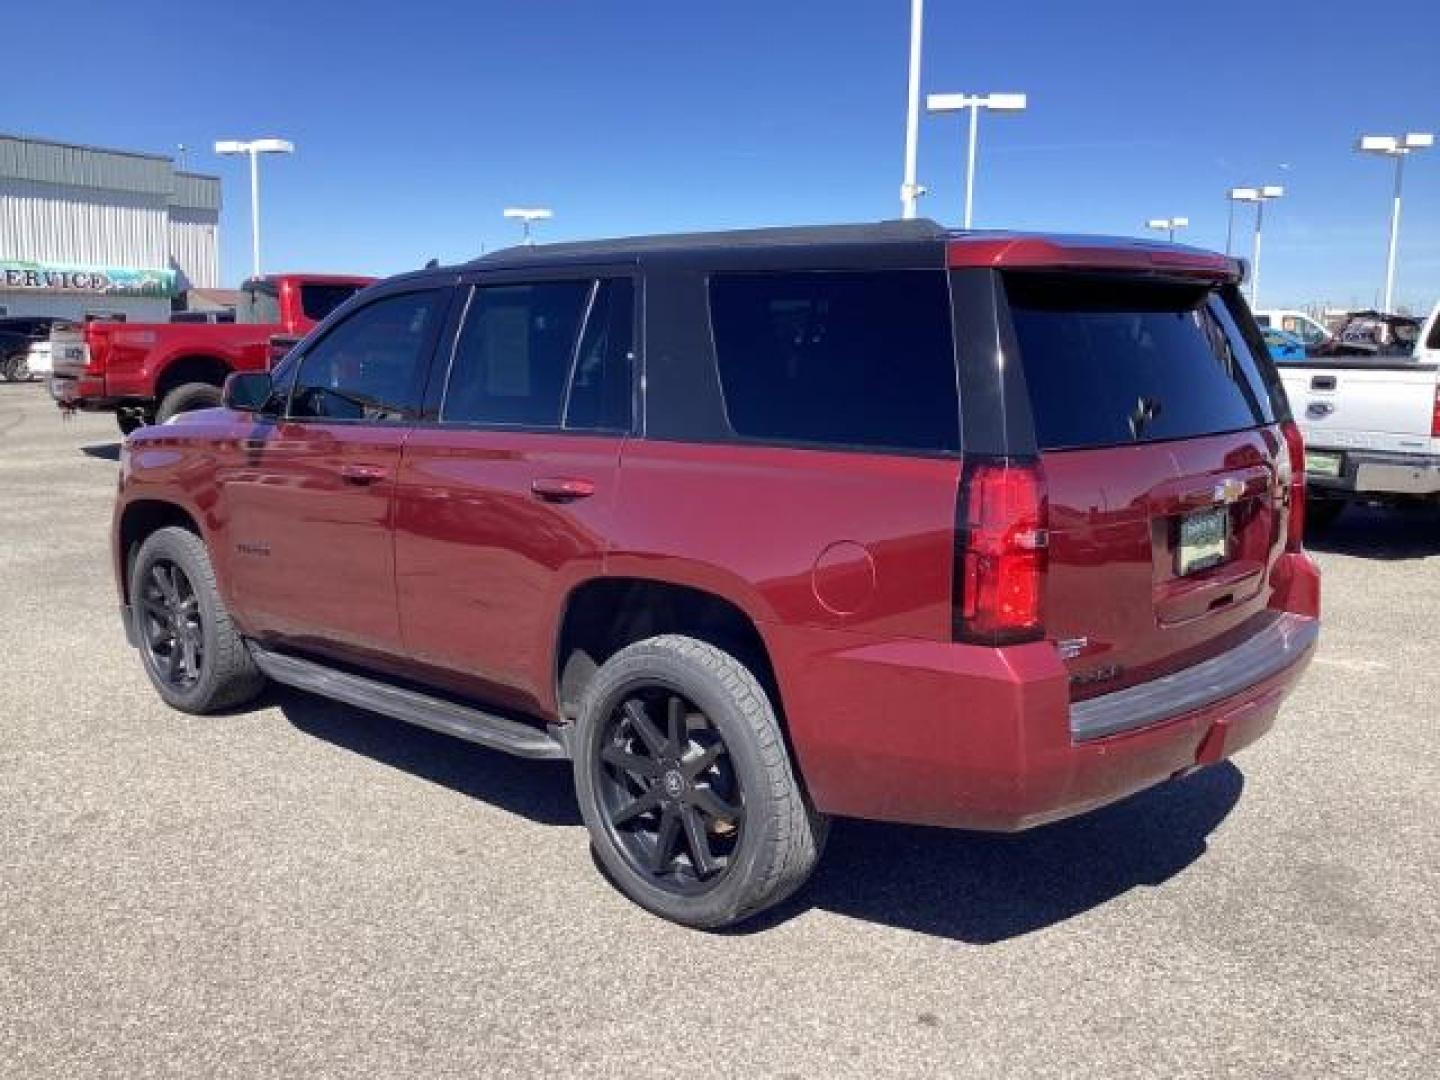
<point x="417" y="122"/>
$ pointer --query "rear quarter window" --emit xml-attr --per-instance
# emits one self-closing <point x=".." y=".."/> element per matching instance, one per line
<point x="838" y="359"/>
<point x="1111" y="362"/>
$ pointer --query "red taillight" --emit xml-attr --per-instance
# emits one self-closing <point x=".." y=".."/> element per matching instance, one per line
<point x="1295" y="449"/>
<point x="1435" y="416"/>
<point x="1000" y="552"/>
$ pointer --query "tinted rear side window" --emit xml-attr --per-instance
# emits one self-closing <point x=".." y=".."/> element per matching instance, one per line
<point x="1114" y="362"/>
<point x="838" y="359"/>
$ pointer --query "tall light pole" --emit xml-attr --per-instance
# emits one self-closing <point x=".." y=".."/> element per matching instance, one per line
<point x="1398" y="147"/>
<point x="1168" y="225"/>
<point x="254" y="148"/>
<point x="527" y="217"/>
<point x="910" y="190"/>
<point x="1259" y="196"/>
<point x="944" y="103"/>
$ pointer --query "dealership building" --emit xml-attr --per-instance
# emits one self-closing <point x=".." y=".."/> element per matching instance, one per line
<point x="87" y="232"/>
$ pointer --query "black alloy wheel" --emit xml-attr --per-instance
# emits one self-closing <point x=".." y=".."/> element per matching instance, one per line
<point x="172" y="627"/>
<point x="670" y="795"/>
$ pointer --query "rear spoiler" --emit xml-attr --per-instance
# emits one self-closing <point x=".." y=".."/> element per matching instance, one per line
<point x="1085" y="253"/>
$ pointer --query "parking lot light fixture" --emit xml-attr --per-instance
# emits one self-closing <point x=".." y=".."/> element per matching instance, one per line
<point x="1168" y="225"/>
<point x="1259" y="196"/>
<point x="527" y="216"/>
<point x="1239" y="194"/>
<point x="945" y="103"/>
<point x="1398" y="147"/>
<point x="254" y="148"/>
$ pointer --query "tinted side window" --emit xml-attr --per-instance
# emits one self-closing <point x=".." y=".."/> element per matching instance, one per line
<point x="514" y="354"/>
<point x="840" y="359"/>
<point x="601" y="387"/>
<point x="318" y="301"/>
<point x="1113" y="362"/>
<point x="365" y="367"/>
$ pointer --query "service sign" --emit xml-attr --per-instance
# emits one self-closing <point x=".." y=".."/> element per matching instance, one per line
<point x="91" y="280"/>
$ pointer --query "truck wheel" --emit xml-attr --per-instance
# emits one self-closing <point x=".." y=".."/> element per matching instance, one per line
<point x="191" y="650"/>
<point x="685" y="784"/>
<point x="1320" y="514"/>
<point x="129" y="421"/>
<point x="17" y="368"/>
<point x="187" y="398"/>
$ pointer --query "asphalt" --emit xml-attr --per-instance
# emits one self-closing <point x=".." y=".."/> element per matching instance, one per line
<point x="309" y="890"/>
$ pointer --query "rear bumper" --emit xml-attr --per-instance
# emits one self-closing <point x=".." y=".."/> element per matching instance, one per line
<point x="940" y="734"/>
<point x="83" y="392"/>
<point x="1378" y="473"/>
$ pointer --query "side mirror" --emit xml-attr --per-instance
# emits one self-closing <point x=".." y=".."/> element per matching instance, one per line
<point x="248" y="391"/>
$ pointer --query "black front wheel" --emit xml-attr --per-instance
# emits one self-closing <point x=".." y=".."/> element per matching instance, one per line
<point x="685" y="783"/>
<point x="191" y="650"/>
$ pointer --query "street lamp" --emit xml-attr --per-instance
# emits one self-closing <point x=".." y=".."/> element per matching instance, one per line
<point x="910" y="190"/>
<point x="1399" y="147"/>
<point x="1259" y="196"/>
<point x="1168" y="225"/>
<point x="943" y="103"/>
<point x="254" y="148"/>
<point x="526" y="217"/>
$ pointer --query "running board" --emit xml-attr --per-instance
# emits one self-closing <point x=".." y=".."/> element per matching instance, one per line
<point x="462" y="721"/>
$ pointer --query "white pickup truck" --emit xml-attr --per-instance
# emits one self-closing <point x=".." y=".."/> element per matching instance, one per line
<point x="1371" y="423"/>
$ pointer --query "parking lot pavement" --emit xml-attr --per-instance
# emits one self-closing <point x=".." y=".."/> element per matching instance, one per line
<point x="308" y="890"/>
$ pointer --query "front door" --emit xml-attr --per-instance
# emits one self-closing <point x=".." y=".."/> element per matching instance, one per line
<point x="310" y="495"/>
<point x="506" y="500"/>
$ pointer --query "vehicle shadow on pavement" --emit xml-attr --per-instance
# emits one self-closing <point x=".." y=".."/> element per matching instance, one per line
<point x="107" y="451"/>
<point x="1381" y="532"/>
<point x="968" y="886"/>
<point x="983" y="888"/>
<point x="543" y="791"/>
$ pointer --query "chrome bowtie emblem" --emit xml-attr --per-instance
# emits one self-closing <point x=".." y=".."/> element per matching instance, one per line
<point x="1317" y="409"/>
<point x="1229" y="490"/>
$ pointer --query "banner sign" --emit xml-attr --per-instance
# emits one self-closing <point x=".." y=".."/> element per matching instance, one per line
<point x="91" y="280"/>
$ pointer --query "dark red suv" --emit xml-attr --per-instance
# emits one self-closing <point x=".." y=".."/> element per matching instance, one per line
<point x="756" y="528"/>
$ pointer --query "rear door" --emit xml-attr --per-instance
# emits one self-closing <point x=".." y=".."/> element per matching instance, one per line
<point x="1156" y="430"/>
<point x="507" y="493"/>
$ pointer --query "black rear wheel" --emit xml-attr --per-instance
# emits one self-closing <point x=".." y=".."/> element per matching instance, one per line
<point x="672" y="800"/>
<point x="187" y="398"/>
<point x="686" y="786"/>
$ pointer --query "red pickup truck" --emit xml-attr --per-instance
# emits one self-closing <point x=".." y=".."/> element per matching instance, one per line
<point x="146" y="373"/>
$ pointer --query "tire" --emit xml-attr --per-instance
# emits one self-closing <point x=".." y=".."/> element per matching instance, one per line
<point x="745" y="808"/>
<point x="187" y="398"/>
<point x="129" y="421"/>
<point x="188" y="644"/>
<point x="17" y="368"/>
<point x="1321" y="514"/>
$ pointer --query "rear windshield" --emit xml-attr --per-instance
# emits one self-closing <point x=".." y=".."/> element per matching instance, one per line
<point x="1109" y="362"/>
<point x="839" y="359"/>
<point x="318" y="301"/>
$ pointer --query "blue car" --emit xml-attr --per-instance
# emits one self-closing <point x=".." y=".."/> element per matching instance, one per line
<point x="1284" y="346"/>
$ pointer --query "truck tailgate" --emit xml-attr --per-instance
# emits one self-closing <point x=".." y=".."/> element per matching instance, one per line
<point x="1358" y="405"/>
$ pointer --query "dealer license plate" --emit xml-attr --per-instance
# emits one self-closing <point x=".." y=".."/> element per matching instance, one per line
<point x="1204" y="540"/>
<point x="1322" y="464"/>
